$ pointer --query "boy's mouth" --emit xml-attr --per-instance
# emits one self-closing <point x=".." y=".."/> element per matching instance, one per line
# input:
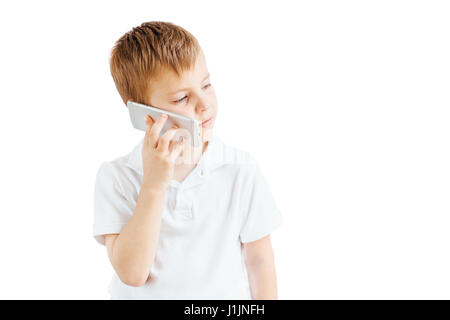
<point x="207" y="122"/>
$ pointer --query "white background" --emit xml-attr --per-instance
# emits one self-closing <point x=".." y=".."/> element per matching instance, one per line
<point x="345" y="104"/>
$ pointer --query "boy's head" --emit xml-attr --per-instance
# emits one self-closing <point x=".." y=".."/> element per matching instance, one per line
<point x="162" y="65"/>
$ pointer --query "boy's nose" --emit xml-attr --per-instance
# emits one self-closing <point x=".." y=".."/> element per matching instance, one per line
<point x="201" y="106"/>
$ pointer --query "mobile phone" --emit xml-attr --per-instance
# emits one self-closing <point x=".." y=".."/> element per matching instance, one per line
<point x="190" y="128"/>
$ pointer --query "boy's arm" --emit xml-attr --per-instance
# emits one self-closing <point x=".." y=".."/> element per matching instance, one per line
<point x="260" y="264"/>
<point x="132" y="251"/>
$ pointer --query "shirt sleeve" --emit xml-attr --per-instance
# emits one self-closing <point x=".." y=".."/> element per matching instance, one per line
<point x="112" y="210"/>
<point x="261" y="215"/>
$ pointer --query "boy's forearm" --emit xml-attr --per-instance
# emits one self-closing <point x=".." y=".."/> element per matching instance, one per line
<point x="135" y="248"/>
<point x="262" y="281"/>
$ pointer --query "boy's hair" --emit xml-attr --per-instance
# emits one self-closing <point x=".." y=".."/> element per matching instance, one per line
<point x="141" y="54"/>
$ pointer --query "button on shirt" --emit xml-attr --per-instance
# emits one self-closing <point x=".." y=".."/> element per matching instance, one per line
<point x="223" y="202"/>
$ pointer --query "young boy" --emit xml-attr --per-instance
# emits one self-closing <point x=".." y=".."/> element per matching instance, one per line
<point x="176" y="229"/>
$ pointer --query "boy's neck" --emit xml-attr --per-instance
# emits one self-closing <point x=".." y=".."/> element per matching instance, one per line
<point x="181" y="171"/>
<point x="205" y="145"/>
<point x="196" y="155"/>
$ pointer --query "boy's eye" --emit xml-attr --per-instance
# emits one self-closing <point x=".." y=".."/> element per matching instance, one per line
<point x="178" y="101"/>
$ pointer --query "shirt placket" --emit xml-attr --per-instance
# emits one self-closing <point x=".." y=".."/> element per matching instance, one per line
<point x="182" y="206"/>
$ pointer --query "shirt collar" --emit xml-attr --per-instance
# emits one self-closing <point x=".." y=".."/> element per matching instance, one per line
<point x="211" y="159"/>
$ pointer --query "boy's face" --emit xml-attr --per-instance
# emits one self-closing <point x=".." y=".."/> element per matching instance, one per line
<point x="191" y="95"/>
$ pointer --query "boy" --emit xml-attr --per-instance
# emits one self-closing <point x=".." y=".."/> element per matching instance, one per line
<point x="176" y="229"/>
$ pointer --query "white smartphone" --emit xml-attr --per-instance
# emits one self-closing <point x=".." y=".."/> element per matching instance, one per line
<point x="190" y="128"/>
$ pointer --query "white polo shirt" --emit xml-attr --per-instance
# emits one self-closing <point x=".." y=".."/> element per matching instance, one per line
<point x="224" y="201"/>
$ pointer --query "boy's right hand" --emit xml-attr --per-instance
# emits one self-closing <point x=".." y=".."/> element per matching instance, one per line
<point x="159" y="154"/>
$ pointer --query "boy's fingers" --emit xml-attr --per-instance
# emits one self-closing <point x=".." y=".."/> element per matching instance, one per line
<point x="164" y="140"/>
<point x="156" y="129"/>
<point x="149" y="123"/>
<point x="177" y="148"/>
